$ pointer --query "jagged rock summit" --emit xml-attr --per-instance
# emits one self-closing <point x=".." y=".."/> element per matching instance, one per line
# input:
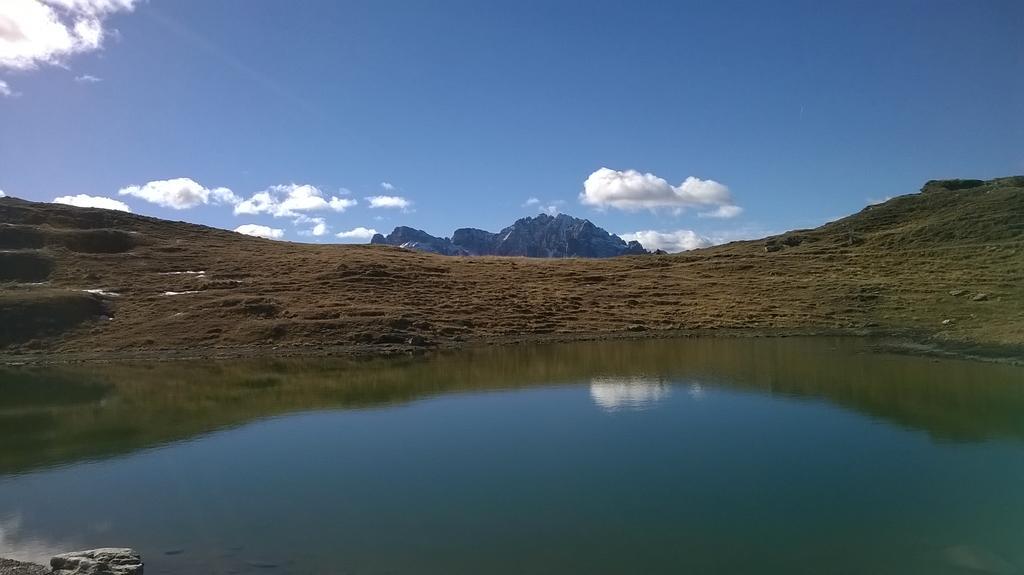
<point x="542" y="236"/>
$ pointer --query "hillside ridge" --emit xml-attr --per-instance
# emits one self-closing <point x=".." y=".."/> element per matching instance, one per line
<point x="942" y="266"/>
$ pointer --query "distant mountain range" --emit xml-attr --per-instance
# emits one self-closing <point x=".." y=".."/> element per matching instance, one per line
<point x="543" y="236"/>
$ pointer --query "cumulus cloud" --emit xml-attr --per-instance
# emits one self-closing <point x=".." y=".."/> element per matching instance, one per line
<point x="88" y="79"/>
<point x="47" y="32"/>
<point x="180" y="193"/>
<point x="290" y="201"/>
<point x="87" y="201"/>
<point x="388" y="202"/>
<point x="360" y="233"/>
<point x="260" y="231"/>
<point x="2" y="194"/>
<point x="632" y="190"/>
<point x="387" y="186"/>
<point x="531" y="202"/>
<point x="672" y="242"/>
<point x="5" y="89"/>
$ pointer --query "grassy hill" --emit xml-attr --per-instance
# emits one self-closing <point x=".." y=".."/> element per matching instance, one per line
<point x="943" y="266"/>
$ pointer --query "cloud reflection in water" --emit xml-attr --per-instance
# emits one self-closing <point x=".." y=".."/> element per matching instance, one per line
<point x="627" y="393"/>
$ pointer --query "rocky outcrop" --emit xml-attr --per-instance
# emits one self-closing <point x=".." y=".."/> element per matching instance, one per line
<point x="542" y="236"/>
<point x="475" y="241"/>
<point x="413" y="239"/>
<point x="104" y="561"/>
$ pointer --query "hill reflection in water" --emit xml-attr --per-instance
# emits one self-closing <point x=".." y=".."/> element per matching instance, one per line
<point x="55" y="416"/>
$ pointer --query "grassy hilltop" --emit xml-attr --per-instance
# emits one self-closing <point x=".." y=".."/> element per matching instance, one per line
<point x="945" y="266"/>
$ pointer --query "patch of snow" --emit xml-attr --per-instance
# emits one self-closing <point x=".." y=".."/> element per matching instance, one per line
<point x="187" y="273"/>
<point x="102" y="292"/>
<point x="179" y="292"/>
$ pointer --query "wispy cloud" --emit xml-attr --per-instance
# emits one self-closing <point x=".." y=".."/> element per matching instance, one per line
<point x="551" y="208"/>
<point x="722" y="212"/>
<point x="750" y="232"/>
<point x="5" y="89"/>
<point x="387" y="186"/>
<point x="88" y="79"/>
<point x="318" y="227"/>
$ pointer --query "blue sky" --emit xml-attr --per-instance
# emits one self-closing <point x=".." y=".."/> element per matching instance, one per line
<point x="800" y="111"/>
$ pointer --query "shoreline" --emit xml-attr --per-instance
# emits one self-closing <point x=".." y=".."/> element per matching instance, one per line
<point x="15" y="567"/>
<point x="899" y="342"/>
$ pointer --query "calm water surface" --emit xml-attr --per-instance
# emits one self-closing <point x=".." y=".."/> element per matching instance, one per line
<point x="701" y="456"/>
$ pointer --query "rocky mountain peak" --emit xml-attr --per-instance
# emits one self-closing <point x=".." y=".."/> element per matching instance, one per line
<point x="543" y="235"/>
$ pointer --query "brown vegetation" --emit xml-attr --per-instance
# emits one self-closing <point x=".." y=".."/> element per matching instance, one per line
<point x="945" y="265"/>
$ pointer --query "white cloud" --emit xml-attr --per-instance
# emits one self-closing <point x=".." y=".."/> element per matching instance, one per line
<point x="551" y="210"/>
<point x="38" y="32"/>
<point x="87" y="201"/>
<point x="2" y="194"/>
<point x="260" y="231"/>
<point x="631" y="190"/>
<point x="180" y="193"/>
<point x="672" y="242"/>
<point x="359" y="233"/>
<point x="320" y="227"/>
<point x="341" y="204"/>
<point x="532" y="202"/>
<point x="5" y="89"/>
<point x="290" y="200"/>
<point x="729" y="211"/>
<point x="388" y="202"/>
<point x="387" y="186"/>
<point x="88" y="79"/>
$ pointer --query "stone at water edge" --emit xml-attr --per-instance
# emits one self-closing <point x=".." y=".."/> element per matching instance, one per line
<point x="104" y="561"/>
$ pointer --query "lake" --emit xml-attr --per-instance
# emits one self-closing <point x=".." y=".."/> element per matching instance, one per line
<point x="794" y="455"/>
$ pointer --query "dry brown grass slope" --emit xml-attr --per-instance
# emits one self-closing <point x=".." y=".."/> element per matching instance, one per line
<point x="944" y="265"/>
